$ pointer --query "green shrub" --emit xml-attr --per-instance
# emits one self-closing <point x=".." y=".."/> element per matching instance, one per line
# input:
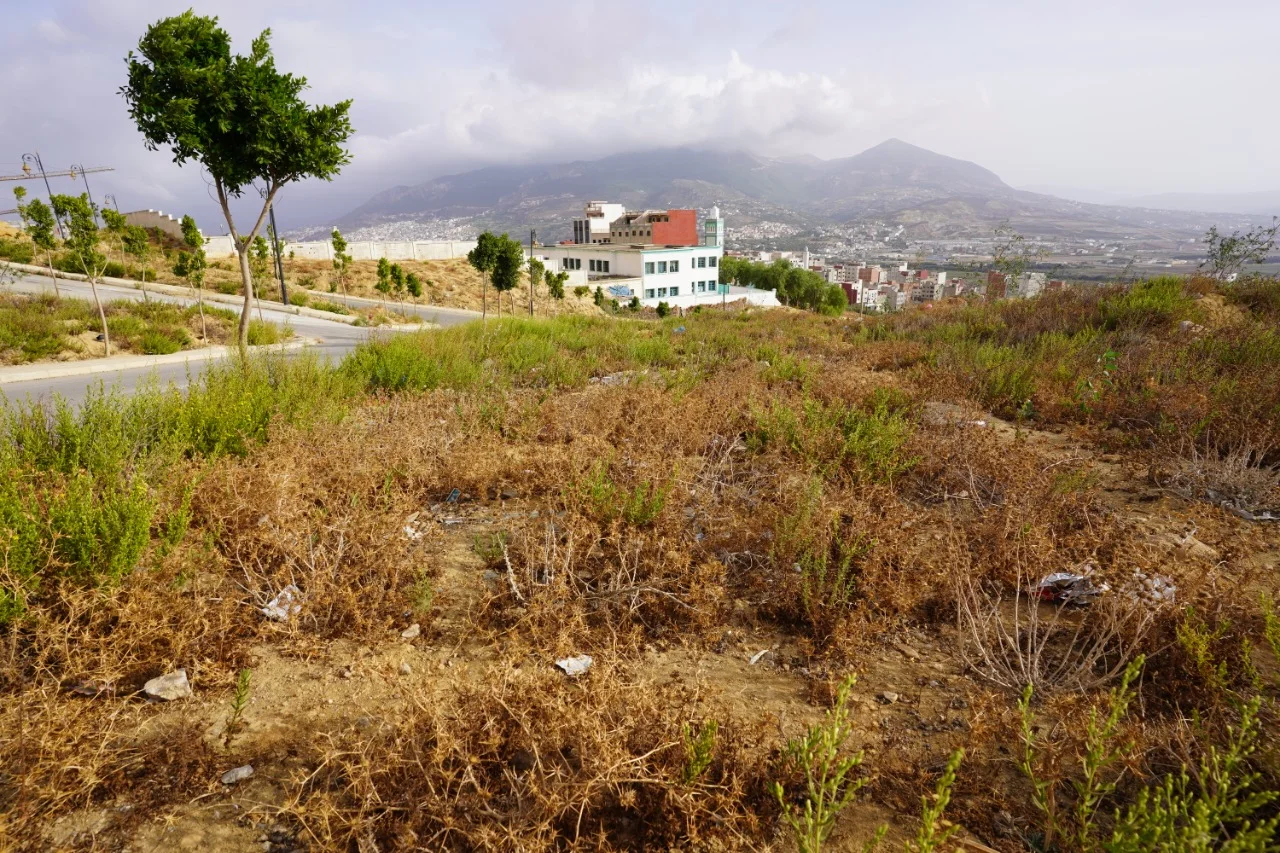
<point x="331" y="307"/>
<point x="663" y="310"/>
<point x="299" y="297"/>
<point x="608" y="501"/>
<point x="263" y="333"/>
<point x="18" y="251"/>
<point x="113" y="269"/>
<point x="581" y="290"/>
<point x="155" y="342"/>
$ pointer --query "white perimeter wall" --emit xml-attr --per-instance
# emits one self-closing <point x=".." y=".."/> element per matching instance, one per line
<point x="364" y="250"/>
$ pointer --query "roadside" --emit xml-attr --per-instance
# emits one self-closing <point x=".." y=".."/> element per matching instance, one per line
<point x="55" y="370"/>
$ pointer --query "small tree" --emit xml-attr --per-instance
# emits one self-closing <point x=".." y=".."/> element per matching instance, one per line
<point x="1226" y="257"/>
<point x="598" y="297"/>
<point x="38" y="221"/>
<point x="555" y="284"/>
<point x="415" y="286"/>
<point x="663" y="310"/>
<point x="116" y="226"/>
<point x="341" y="260"/>
<point x="1012" y="257"/>
<point x="383" y="285"/>
<point x="537" y="272"/>
<point x="192" y="264"/>
<point x="396" y="275"/>
<point x="482" y="258"/>
<point x="82" y="242"/>
<point x="137" y="244"/>
<point x="242" y="120"/>
<point x="508" y="264"/>
<point x="634" y="304"/>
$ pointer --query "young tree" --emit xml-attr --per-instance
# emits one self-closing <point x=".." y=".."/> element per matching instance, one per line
<point x="537" y="272"/>
<point x="242" y="120"/>
<point x="82" y="242"/>
<point x="397" y="281"/>
<point x="39" y="223"/>
<point x="192" y="264"/>
<point x="555" y="284"/>
<point x="508" y="264"/>
<point x="415" y="286"/>
<point x="634" y="304"/>
<point x="137" y="244"/>
<point x="1226" y="257"/>
<point x="1011" y="256"/>
<point x="384" y="279"/>
<point x="482" y="258"/>
<point x="341" y="260"/>
<point x="116" y="225"/>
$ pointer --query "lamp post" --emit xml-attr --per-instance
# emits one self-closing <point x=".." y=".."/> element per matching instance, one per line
<point x="275" y="245"/>
<point x="108" y="198"/>
<point x="72" y="171"/>
<point x="27" y="160"/>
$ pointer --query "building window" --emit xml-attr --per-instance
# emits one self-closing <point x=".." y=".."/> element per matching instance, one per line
<point x="675" y="266"/>
<point x="675" y="291"/>
<point x="648" y="294"/>
<point x="712" y="260"/>
<point x="702" y="262"/>
<point x="648" y="267"/>
<point x="662" y="291"/>
<point x="662" y="266"/>
<point x="604" y="264"/>
<point x="591" y="264"/>
<point x="702" y="285"/>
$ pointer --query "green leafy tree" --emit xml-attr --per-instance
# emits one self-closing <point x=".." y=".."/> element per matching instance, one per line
<point x="1226" y="257"/>
<point x="383" y="284"/>
<point x="555" y="284"/>
<point x="634" y="304"/>
<point x="137" y="244"/>
<point x="397" y="280"/>
<point x="341" y="260"/>
<point x="415" y="286"/>
<point x="508" y="266"/>
<point x="191" y="265"/>
<point x="598" y="297"/>
<point x="116" y="226"/>
<point x="82" y="242"/>
<point x="663" y="310"/>
<point x="482" y="258"/>
<point x="237" y="116"/>
<point x="39" y="223"/>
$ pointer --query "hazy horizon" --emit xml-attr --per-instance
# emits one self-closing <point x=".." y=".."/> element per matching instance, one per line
<point x="1142" y="100"/>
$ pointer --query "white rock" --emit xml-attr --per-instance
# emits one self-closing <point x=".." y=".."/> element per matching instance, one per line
<point x="170" y="686"/>
<point x="575" y="665"/>
<point x="238" y="774"/>
<point x="405" y="669"/>
<point x="411" y="632"/>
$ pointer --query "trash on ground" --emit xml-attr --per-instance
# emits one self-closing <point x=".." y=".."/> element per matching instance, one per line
<point x="576" y="665"/>
<point x="238" y="774"/>
<point x="755" y="659"/>
<point x="453" y="496"/>
<point x="679" y="330"/>
<point x="1069" y="588"/>
<point x="452" y="520"/>
<point x="411" y="632"/>
<point x="168" y="687"/>
<point x="1156" y="589"/>
<point x="91" y="688"/>
<point x="286" y="603"/>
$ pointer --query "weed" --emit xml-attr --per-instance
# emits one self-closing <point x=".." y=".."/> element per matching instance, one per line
<point x="934" y="830"/>
<point x="828" y="787"/>
<point x="699" y="749"/>
<point x="239" y="701"/>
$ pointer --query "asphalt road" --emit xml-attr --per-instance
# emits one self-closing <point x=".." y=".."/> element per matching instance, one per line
<point x="333" y="340"/>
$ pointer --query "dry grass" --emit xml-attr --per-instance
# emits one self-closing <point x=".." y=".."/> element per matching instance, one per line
<point x="765" y="482"/>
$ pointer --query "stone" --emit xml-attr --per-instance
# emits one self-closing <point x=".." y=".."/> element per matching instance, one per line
<point x="405" y="669"/>
<point x="889" y="697"/>
<point x="168" y="687"/>
<point x="411" y="632"/>
<point x="238" y="774"/>
<point x="906" y="651"/>
<point x="345" y="672"/>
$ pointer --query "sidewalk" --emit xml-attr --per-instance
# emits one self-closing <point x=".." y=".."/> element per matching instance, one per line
<point x="58" y="369"/>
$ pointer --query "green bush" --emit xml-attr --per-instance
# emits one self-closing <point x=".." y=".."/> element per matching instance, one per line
<point x="663" y="310"/>
<point x="155" y="342"/>
<point x="18" y="251"/>
<point x="331" y="307"/>
<point x="263" y="333"/>
<point x="299" y="297"/>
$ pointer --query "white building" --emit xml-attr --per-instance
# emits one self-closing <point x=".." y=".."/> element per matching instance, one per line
<point x="681" y="276"/>
<point x="593" y="227"/>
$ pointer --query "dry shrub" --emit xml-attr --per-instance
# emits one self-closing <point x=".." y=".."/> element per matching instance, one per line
<point x="1238" y="479"/>
<point x="526" y="759"/>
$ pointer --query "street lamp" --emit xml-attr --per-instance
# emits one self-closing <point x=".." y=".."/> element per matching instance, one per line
<point x="27" y="160"/>
<point x="533" y="236"/>
<point x="88" y="192"/>
<point x="111" y="199"/>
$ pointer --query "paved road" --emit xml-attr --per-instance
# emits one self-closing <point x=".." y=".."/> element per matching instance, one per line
<point x="334" y="340"/>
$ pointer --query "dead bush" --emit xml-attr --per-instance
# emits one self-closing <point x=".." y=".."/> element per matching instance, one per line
<point x="1238" y="479"/>
<point x="525" y="759"/>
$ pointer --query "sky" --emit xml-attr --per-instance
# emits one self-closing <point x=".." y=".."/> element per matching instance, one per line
<point x="1111" y="99"/>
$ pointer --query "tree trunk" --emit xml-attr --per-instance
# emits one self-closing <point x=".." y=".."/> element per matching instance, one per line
<point x="48" y="257"/>
<point x="102" y="316"/>
<point x="246" y="278"/>
<point x="204" y="332"/>
<point x="484" y="299"/>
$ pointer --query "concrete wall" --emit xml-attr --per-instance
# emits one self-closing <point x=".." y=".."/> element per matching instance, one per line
<point x="155" y="219"/>
<point x="365" y="250"/>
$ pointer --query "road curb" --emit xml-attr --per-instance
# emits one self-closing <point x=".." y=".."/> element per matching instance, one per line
<point x="59" y="370"/>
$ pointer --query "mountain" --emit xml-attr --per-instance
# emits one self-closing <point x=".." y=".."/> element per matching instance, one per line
<point x="1255" y="203"/>
<point x="895" y="186"/>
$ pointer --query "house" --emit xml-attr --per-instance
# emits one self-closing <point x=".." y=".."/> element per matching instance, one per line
<point x="682" y="274"/>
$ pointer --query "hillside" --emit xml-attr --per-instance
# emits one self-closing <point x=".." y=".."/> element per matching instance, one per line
<point x="929" y="195"/>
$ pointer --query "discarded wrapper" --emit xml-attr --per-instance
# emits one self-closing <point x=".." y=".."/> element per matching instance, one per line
<point x="575" y="666"/>
<point x="285" y="604"/>
<point x="1069" y="588"/>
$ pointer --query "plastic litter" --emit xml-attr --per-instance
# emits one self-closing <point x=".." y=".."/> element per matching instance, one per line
<point x="575" y="666"/>
<point x="453" y="496"/>
<point x="237" y="774"/>
<point x="286" y="603"/>
<point x="1069" y="588"/>
<point x="755" y="659"/>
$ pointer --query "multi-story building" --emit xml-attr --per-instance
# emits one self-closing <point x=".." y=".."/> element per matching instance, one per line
<point x="659" y="227"/>
<point x="680" y="274"/>
<point x="596" y="222"/>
